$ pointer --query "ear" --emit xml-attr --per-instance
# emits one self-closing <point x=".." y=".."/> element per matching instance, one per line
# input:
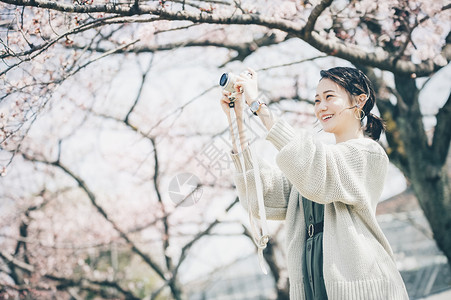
<point x="361" y="100"/>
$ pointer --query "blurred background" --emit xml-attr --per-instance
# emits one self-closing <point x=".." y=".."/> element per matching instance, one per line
<point x="116" y="179"/>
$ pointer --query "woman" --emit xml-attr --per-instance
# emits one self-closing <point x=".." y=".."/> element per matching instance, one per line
<point x="327" y="194"/>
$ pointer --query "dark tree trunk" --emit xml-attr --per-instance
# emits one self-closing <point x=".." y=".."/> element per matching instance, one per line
<point x="432" y="188"/>
<point x="423" y="163"/>
<point x="283" y="288"/>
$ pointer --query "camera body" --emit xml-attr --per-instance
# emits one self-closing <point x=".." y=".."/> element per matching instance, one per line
<point x="227" y="82"/>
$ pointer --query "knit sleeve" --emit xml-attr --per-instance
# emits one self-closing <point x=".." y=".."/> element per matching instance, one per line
<point x="352" y="172"/>
<point x="276" y="187"/>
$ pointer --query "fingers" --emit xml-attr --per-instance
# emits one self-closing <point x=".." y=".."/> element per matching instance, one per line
<point x="238" y="86"/>
<point x="225" y="96"/>
<point x="252" y="72"/>
<point x="243" y="77"/>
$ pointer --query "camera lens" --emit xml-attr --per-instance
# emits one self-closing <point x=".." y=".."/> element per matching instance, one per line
<point x="223" y="80"/>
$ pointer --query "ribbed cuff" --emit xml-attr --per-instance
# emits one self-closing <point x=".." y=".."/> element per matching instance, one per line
<point x="280" y="134"/>
<point x="246" y="153"/>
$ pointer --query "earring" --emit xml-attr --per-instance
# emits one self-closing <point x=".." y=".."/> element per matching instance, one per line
<point x="360" y="114"/>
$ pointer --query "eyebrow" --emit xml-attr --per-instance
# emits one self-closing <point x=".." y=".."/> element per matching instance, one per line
<point x="326" y="92"/>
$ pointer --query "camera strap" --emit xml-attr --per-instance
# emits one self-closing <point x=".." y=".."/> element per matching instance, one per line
<point x="260" y="237"/>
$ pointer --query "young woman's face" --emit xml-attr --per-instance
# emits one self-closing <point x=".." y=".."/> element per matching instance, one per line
<point x="333" y="108"/>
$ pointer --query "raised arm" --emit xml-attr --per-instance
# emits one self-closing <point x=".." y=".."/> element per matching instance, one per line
<point x="352" y="172"/>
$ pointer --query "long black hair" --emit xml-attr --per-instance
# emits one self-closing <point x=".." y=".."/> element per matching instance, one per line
<point x="355" y="82"/>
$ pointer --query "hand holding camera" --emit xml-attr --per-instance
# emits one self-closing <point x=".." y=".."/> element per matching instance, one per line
<point x="243" y="84"/>
<point x="232" y="100"/>
<point x="234" y="87"/>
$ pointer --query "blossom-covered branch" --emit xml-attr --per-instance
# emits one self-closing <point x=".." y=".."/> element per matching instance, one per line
<point x="378" y="58"/>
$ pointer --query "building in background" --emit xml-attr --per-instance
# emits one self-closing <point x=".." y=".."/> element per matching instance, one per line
<point x="424" y="268"/>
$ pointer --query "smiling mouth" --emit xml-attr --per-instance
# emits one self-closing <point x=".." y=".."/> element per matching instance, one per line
<point x="327" y="117"/>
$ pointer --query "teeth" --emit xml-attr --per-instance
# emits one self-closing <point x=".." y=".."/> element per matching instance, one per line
<point x="327" y="117"/>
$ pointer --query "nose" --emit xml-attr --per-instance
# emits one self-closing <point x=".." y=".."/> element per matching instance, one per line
<point x="321" y="106"/>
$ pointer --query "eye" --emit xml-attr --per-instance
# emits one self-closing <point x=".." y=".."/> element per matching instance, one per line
<point x="316" y="101"/>
<point x="327" y="97"/>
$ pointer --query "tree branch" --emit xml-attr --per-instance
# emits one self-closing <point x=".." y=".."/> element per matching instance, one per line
<point x="200" y="235"/>
<point x="442" y="133"/>
<point x="293" y="63"/>
<point x="41" y="48"/>
<point x="380" y="58"/>
<point x="76" y="8"/>
<point x="270" y="257"/>
<point x="17" y="263"/>
<point x="84" y="282"/>
<point x="411" y="29"/>
<point x="396" y="149"/>
<point x="164" y="219"/>
<point x="389" y="113"/>
<point x="314" y="15"/>
<point x="93" y="200"/>
<point x="243" y="50"/>
<point x="138" y="96"/>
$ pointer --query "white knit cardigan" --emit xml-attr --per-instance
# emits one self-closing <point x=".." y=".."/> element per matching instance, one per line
<point x="348" y="178"/>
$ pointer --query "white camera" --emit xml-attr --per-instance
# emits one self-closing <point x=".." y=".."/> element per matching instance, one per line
<point x="227" y="82"/>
